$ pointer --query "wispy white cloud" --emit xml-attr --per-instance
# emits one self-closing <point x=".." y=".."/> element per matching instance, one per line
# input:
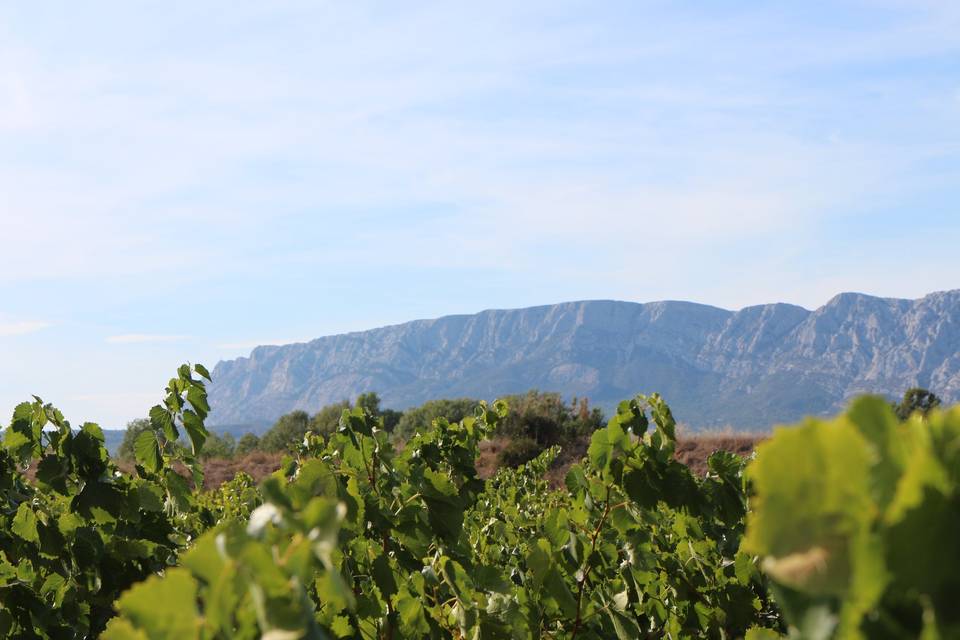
<point x="10" y="328"/>
<point x="138" y="338"/>
<point x="247" y="345"/>
<point x="298" y="168"/>
<point x="700" y="120"/>
<point x="107" y="398"/>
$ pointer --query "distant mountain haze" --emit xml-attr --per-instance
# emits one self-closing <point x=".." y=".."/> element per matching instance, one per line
<point x="750" y="368"/>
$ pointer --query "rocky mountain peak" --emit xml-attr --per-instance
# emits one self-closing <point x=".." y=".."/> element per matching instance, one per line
<point x="749" y="368"/>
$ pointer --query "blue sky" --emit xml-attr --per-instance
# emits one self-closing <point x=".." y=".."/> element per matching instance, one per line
<point x="182" y="181"/>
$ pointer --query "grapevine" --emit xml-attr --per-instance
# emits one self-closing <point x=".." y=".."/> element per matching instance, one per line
<point x="846" y="528"/>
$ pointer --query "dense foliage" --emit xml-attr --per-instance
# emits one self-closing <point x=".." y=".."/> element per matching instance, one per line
<point x="847" y="528"/>
<point x="289" y="430"/>
<point x="547" y="420"/>
<point x="134" y="428"/>
<point x="537" y="420"/>
<point x="355" y="539"/>
<point x="82" y="532"/>
<point x="420" y="418"/>
<point x="858" y="522"/>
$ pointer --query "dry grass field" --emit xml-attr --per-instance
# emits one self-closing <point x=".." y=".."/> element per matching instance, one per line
<point x="692" y="450"/>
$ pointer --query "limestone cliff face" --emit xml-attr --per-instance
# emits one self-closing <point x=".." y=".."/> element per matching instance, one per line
<point x="749" y="368"/>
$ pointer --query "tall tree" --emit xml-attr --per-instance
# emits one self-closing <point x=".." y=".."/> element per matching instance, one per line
<point x="248" y="442"/>
<point x="286" y="432"/>
<point x="420" y="418"/>
<point x="327" y="419"/>
<point x="219" y="446"/>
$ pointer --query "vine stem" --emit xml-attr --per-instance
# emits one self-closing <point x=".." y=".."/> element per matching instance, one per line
<point x="385" y="540"/>
<point x="363" y="457"/>
<point x="581" y="583"/>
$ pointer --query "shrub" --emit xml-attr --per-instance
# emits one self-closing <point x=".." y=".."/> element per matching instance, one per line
<point x="519" y="451"/>
<point x="546" y="418"/>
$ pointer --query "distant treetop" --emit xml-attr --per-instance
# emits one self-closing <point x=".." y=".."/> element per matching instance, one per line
<point x="916" y="400"/>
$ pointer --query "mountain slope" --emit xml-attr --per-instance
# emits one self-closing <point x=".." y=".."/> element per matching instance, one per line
<point x="748" y="368"/>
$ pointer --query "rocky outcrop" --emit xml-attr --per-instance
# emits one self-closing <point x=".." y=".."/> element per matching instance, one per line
<point x="749" y="368"/>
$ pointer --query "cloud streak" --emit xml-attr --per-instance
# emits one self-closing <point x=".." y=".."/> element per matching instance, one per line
<point x="142" y="338"/>
<point x="304" y="169"/>
<point x="21" y="327"/>
<point x="248" y="345"/>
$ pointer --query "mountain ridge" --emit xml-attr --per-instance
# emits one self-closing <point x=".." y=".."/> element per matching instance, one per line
<point x="750" y="368"/>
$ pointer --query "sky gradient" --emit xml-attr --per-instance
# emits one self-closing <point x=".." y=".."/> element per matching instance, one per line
<point x="185" y="182"/>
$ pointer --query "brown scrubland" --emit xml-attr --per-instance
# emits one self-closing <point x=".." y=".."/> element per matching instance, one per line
<point x="693" y="450"/>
